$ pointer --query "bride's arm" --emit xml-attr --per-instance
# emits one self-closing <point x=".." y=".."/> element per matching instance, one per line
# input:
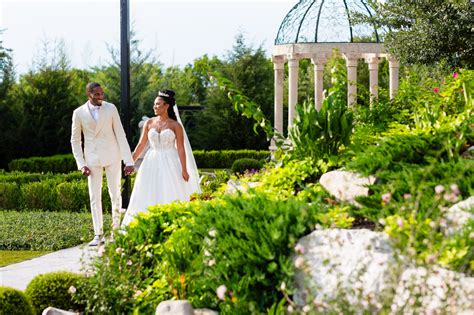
<point x="142" y="142"/>
<point x="181" y="151"/>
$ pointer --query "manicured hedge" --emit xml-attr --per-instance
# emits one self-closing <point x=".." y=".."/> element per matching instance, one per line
<point x="14" y="302"/>
<point x="54" y="289"/>
<point x="66" y="164"/>
<point x="50" y="194"/>
<point x="55" y="164"/>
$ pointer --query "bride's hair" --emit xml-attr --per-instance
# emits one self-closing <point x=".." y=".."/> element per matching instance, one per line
<point x="168" y="97"/>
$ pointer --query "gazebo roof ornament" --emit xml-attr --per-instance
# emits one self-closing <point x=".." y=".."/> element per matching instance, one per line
<point x="326" y="21"/>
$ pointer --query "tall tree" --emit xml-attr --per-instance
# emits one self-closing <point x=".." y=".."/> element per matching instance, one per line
<point x="9" y="113"/>
<point x="47" y="95"/>
<point x="218" y="126"/>
<point x="427" y="31"/>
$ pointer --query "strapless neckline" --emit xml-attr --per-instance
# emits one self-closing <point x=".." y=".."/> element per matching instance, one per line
<point x="162" y="131"/>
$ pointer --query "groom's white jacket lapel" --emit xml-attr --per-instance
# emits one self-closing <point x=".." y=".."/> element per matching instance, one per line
<point x="104" y="141"/>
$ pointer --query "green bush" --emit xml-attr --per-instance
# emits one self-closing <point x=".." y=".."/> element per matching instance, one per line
<point x="66" y="164"/>
<point x="40" y="195"/>
<point x="14" y="302"/>
<point x="241" y="165"/>
<point x="10" y="195"/>
<point x="187" y="250"/>
<point x="73" y="196"/>
<point x="54" y="289"/>
<point x="37" y="230"/>
<point x="55" y="164"/>
<point x="51" y="192"/>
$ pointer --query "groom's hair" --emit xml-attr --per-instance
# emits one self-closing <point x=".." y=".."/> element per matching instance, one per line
<point x="91" y="86"/>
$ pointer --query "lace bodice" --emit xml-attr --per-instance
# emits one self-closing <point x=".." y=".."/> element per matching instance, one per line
<point x="164" y="140"/>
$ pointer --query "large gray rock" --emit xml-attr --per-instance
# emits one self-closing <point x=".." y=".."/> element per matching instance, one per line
<point x="179" y="307"/>
<point x="56" y="311"/>
<point x="358" y="271"/>
<point x="435" y="291"/>
<point x="350" y="263"/>
<point x="458" y="215"/>
<point x="346" y="186"/>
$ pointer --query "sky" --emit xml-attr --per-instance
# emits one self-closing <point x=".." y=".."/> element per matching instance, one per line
<point x="176" y="32"/>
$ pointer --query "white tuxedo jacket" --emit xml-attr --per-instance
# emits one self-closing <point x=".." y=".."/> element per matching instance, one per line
<point x="104" y="141"/>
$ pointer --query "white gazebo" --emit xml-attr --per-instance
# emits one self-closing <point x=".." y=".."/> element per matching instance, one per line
<point x="311" y="30"/>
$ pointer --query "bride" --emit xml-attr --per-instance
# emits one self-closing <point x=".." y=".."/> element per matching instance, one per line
<point x="168" y="172"/>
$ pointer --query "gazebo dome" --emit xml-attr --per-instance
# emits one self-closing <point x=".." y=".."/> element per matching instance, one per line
<point x="326" y="21"/>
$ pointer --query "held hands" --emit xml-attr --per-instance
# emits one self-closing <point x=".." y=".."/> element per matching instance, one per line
<point x="85" y="171"/>
<point x="129" y="170"/>
<point x="185" y="175"/>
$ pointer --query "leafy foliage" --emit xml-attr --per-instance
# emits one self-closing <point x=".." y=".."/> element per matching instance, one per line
<point x="35" y="230"/>
<point x="427" y="31"/>
<point x="14" y="302"/>
<point x="53" y="289"/>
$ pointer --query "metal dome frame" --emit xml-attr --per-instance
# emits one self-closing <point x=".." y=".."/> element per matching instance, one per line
<point x="300" y="12"/>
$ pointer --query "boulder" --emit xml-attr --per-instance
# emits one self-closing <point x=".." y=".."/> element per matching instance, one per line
<point x="358" y="271"/>
<point x="346" y="186"/>
<point x="171" y="307"/>
<point x="458" y="215"/>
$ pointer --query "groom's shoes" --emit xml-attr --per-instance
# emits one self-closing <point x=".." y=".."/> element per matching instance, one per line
<point x="98" y="239"/>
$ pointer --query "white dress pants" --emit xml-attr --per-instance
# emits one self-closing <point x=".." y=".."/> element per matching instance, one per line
<point x="114" y="174"/>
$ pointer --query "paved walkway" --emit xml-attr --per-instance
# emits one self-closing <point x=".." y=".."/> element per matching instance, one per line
<point x="73" y="259"/>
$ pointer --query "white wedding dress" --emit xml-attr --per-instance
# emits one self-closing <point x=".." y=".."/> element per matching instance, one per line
<point x="159" y="179"/>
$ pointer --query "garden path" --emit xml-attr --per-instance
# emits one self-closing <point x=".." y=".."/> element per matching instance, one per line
<point x="73" y="259"/>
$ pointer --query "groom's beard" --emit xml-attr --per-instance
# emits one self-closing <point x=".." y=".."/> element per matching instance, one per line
<point x="97" y="103"/>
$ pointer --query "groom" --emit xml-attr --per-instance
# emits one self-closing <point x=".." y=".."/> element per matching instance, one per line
<point x="105" y="146"/>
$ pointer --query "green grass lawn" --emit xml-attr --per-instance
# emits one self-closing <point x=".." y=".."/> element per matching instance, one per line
<point x="8" y="257"/>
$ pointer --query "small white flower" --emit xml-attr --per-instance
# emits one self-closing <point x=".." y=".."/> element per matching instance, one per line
<point x="386" y="197"/>
<point x="400" y="222"/>
<point x="119" y="250"/>
<point x="406" y="196"/>
<point x="136" y="294"/>
<point x="439" y="189"/>
<point x="129" y="263"/>
<point x="101" y="250"/>
<point x="212" y="233"/>
<point x="211" y="262"/>
<point x="206" y="253"/>
<point x="382" y="221"/>
<point x="306" y="309"/>
<point x="290" y="309"/>
<point x="443" y="223"/>
<point x="149" y="254"/>
<point x="299" y="262"/>
<point x="455" y="189"/>
<point x="451" y="197"/>
<point x="299" y="249"/>
<point x="220" y="291"/>
<point x="283" y="286"/>
<point x="72" y="290"/>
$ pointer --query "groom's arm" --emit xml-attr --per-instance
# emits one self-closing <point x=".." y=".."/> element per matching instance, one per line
<point x="121" y="138"/>
<point x="76" y="142"/>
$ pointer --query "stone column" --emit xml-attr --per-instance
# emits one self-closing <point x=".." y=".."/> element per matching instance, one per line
<point x="351" y="63"/>
<point x="293" y="64"/>
<point x="318" y="63"/>
<point x="393" y="66"/>
<point x="373" y="62"/>
<point x="279" y="73"/>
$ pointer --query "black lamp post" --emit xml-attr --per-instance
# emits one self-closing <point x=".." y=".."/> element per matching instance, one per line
<point x="125" y="83"/>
